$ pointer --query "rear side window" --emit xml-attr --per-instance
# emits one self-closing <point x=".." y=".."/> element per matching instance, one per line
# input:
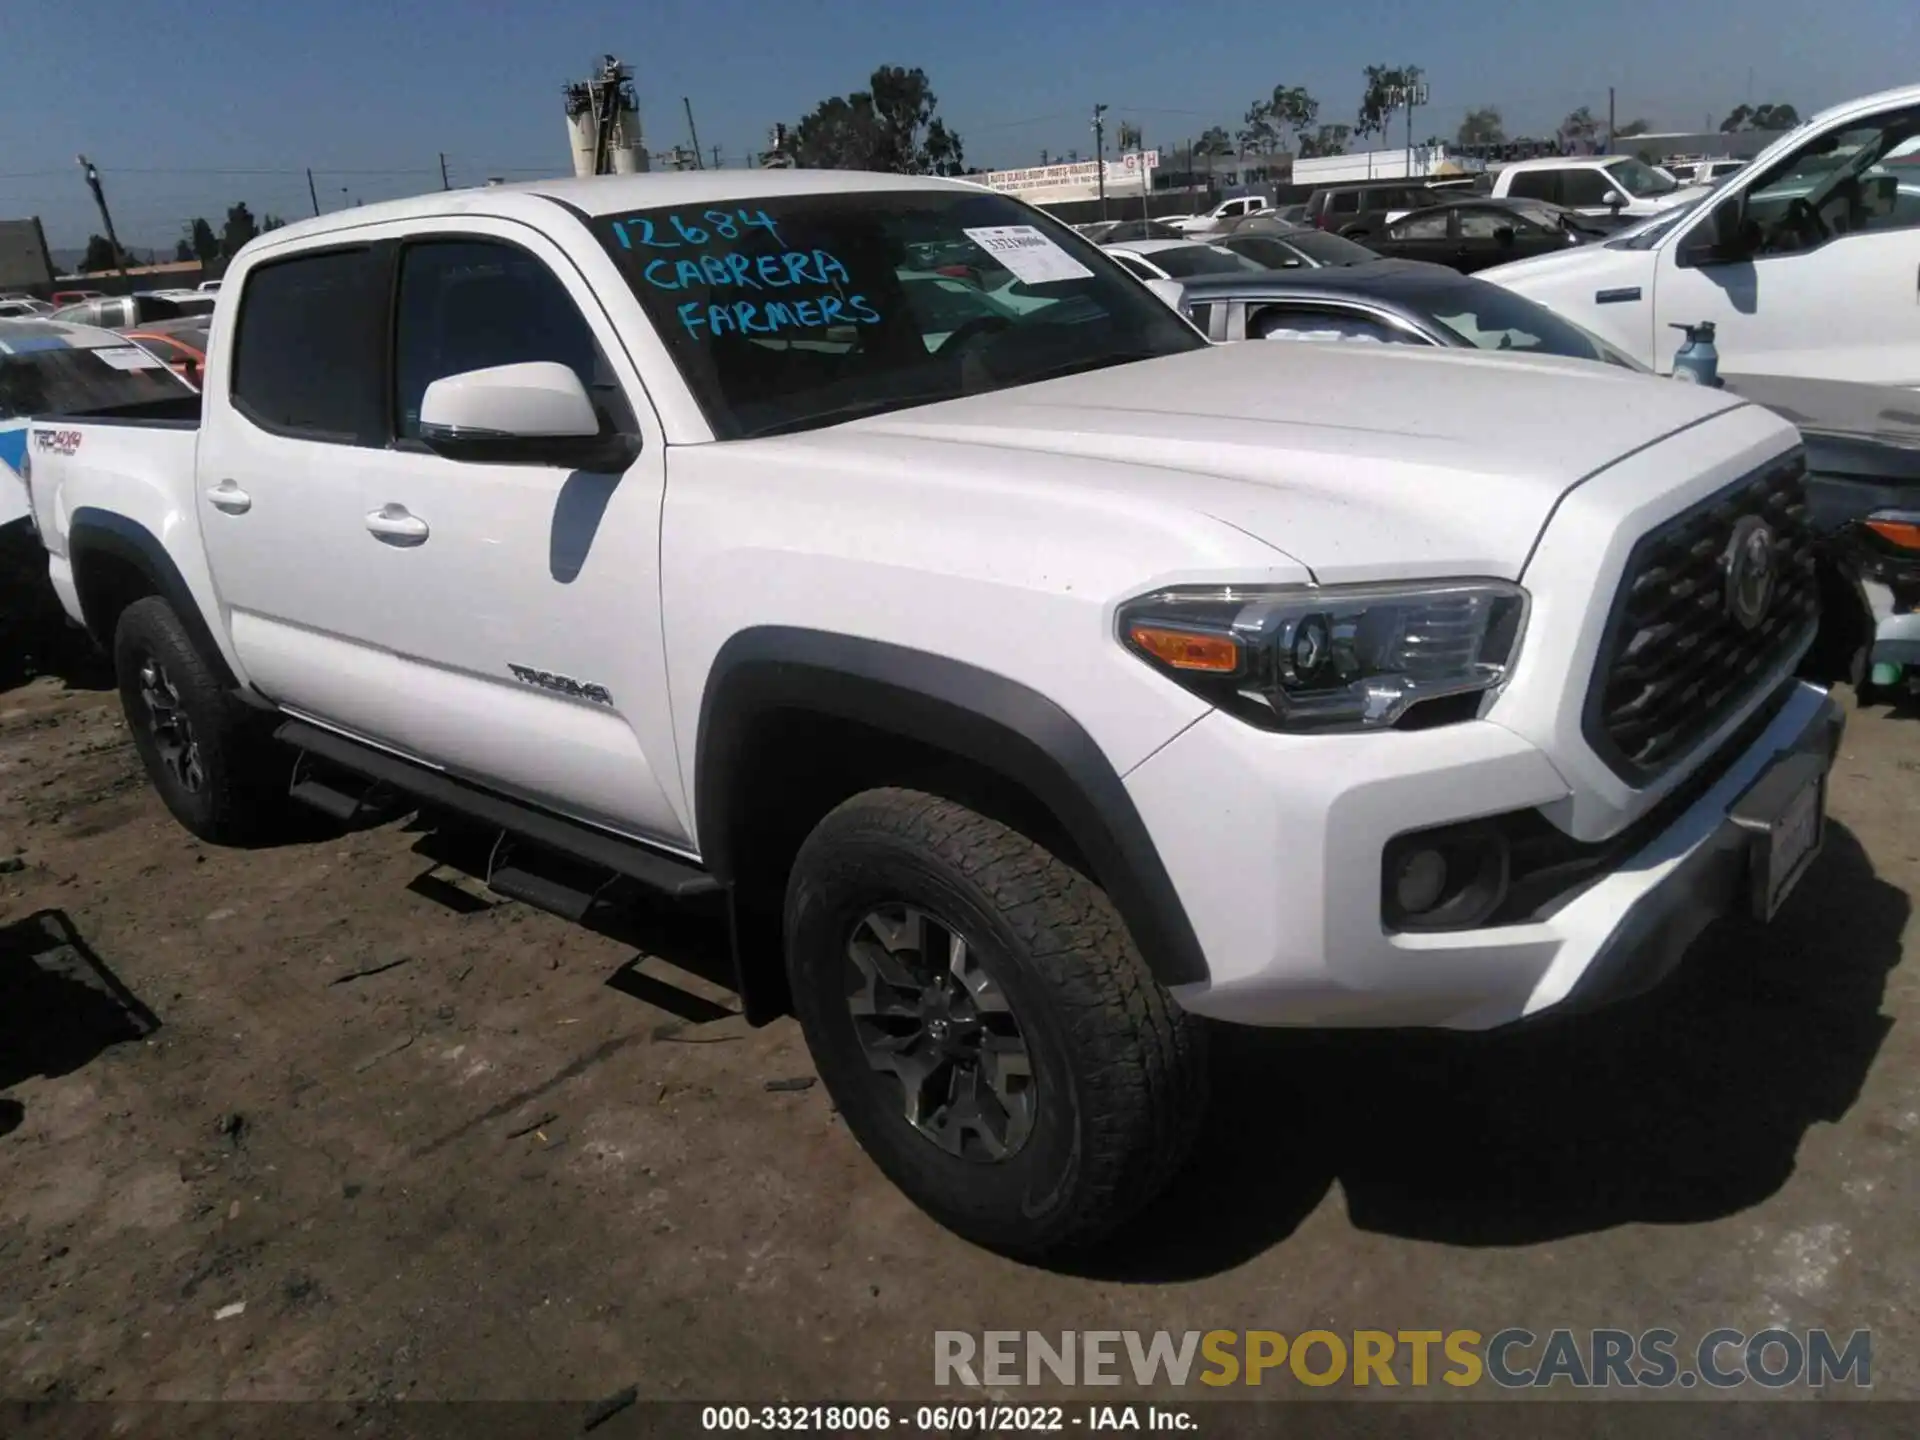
<point x="1535" y="185"/>
<point x="307" y="356"/>
<point x="1345" y="202"/>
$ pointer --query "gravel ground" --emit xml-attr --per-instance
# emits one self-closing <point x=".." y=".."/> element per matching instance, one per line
<point x="329" y="1121"/>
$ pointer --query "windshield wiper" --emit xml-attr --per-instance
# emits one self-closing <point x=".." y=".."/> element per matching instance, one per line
<point x="852" y="410"/>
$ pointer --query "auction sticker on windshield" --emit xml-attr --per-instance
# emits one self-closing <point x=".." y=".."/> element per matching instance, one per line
<point x="126" y="357"/>
<point x="1030" y="255"/>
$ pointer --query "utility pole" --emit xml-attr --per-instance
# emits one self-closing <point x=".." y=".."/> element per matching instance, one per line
<point x="312" y="194"/>
<point x="1609" y="119"/>
<point x="716" y="157"/>
<point x="100" y="199"/>
<point x="698" y="163"/>
<point x="443" y="171"/>
<point x="1100" y="153"/>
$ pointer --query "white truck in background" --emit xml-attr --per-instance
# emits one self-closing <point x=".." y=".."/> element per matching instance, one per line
<point x="1028" y="694"/>
<point x="1807" y="261"/>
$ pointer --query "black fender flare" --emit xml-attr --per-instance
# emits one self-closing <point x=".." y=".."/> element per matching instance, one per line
<point x="993" y="722"/>
<point x="93" y="532"/>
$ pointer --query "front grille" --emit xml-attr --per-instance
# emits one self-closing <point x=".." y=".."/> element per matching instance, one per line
<point x="1675" y="662"/>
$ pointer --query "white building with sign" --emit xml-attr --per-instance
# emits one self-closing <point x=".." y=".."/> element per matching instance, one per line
<point x="1052" y="184"/>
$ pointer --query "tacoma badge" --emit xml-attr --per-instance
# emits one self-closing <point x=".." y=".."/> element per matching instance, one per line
<point x="562" y="684"/>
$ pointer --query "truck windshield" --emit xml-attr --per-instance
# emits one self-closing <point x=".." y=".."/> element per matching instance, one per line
<point x="95" y="381"/>
<point x="1640" y="179"/>
<point x="795" y="311"/>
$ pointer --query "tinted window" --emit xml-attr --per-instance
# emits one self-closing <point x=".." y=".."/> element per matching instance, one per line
<point x="307" y="350"/>
<point x="1345" y="202"/>
<point x="1432" y="226"/>
<point x="1323" y="248"/>
<point x="474" y="304"/>
<point x="788" y="312"/>
<point x="1584" y="187"/>
<point x="1485" y="224"/>
<point x="1535" y="185"/>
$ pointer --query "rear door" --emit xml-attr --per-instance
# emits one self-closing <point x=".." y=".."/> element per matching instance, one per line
<point x="294" y="414"/>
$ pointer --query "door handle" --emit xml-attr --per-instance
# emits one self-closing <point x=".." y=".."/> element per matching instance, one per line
<point x="397" y="524"/>
<point x="229" y="498"/>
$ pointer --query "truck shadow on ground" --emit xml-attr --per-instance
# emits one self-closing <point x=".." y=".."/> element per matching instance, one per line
<point x="60" y="1006"/>
<point x="1685" y="1105"/>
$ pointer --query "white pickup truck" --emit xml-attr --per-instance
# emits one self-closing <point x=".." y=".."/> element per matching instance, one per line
<point x="1807" y="261"/>
<point x="1029" y="689"/>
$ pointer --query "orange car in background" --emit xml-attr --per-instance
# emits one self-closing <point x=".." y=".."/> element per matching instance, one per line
<point x="182" y="344"/>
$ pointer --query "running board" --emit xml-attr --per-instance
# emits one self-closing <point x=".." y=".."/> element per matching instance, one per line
<point x="665" y="874"/>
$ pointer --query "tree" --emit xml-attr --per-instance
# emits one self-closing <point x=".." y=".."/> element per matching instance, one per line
<point x="240" y="228"/>
<point x="1631" y="129"/>
<point x="206" y="244"/>
<point x="100" y="256"/>
<point x="889" y="126"/>
<point x="1481" y="127"/>
<point x="1761" y="117"/>
<point x="1257" y="134"/>
<point x="1325" y="140"/>
<point x="183" y="251"/>
<point x="1127" y="137"/>
<point x="271" y="222"/>
<point x="1386" y="91"/>
<point x="1580" y="132"/>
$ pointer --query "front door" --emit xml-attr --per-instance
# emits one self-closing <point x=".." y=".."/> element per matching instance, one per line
<point x="523" y="600"/>
<point x="1834" y="290"/>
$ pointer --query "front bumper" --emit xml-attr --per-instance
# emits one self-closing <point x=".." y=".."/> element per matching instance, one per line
<point x="1281" y="876"/>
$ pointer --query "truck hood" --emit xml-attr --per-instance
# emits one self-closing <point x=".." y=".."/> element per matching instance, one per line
<point x="1357" y="462"/>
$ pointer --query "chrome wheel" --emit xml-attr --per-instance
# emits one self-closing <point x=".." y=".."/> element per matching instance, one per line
<point x="930" y="1015"/>
<point x="168" y="725"/>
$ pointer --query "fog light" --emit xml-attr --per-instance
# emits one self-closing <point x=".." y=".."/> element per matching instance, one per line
<point x="1420" y="881"/>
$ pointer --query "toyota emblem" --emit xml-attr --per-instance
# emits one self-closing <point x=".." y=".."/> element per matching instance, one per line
<point x="1750" y="575"/>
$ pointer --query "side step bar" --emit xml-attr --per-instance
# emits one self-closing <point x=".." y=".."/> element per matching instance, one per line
<point x="666" y="874"/>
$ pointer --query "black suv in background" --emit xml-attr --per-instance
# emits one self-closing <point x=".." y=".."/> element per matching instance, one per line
<point x="1360" y="209"/>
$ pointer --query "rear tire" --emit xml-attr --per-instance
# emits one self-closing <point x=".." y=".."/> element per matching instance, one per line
<point x="213" y="759"/>
<point x="985" y="1024"/>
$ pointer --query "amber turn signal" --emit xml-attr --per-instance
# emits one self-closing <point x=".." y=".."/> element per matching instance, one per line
<point x="1904" y="533"/>
<point x="1188" y="649"/>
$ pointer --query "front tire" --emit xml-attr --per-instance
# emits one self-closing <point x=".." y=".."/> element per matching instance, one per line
<point x="212" y="759"/>
<point x="985" y="1024"/>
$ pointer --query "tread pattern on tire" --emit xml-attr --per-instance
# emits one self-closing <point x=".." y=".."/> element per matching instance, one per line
<point x="244" y="796"/>
<point x="1139" y="1059"/>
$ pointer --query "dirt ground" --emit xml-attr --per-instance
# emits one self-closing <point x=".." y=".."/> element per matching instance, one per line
<point x="437" y="1145"/>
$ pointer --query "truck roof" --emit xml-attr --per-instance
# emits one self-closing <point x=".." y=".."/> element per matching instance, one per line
<point x="616" y="194"/>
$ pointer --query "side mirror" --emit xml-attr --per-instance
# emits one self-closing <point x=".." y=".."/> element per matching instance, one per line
<point x="1615" y="201"/>
<point x="1503" y="236"/>
<point x="537" y="413"/>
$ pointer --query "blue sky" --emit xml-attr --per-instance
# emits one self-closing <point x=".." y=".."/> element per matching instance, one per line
<point x="187" y="108"/>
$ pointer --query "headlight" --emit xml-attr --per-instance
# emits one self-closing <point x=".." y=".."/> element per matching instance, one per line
<point x="1343" y="657"/>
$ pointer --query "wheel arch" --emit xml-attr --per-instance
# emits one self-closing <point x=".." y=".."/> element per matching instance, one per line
<point x="117" y="560"/>
<point x="792" y="721"/>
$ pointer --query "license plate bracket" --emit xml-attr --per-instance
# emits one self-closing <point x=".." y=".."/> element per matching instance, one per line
<point x="1784" y="813"/>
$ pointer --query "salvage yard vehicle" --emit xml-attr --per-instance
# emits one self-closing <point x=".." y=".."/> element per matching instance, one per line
<point x="1592" y="184"/>
<point x="1394" y="302"/>
<point x="1806" y="261"/>
<point x="1026" y="699"/>
<point x="1179" y="259"/>
<point x="1475" y="232"/>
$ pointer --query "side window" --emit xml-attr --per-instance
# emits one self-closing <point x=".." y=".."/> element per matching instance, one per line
<point x="1345" y="202"/>
<point x="474" y="304"/>
<point x="1862" y="179"/>
<point x="306" y="357"/>
<point x="1584" y="187"/>
<point x="1485" y="224"/>
<point x="1537" y="185"/>
<point x="1308" y="322"/>
<point x="1420" y="227"/>
<point x="1202" y="317"/>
